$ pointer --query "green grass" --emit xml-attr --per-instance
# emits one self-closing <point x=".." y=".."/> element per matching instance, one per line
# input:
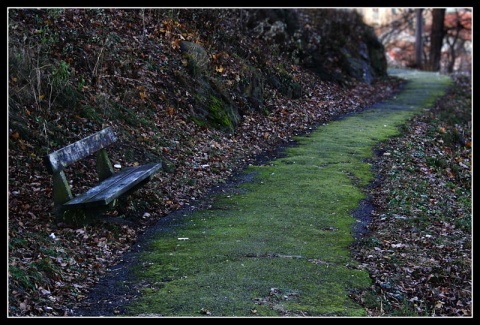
<point x="279" y="245"/>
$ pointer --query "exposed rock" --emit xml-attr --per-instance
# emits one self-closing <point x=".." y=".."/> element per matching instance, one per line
<point x="196" y="55"/>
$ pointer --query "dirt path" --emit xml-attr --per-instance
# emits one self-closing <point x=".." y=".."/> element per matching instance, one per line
<point x="275" y="241"/>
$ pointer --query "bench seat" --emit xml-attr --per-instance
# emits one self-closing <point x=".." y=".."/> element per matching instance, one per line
<point x="113" y="187"/>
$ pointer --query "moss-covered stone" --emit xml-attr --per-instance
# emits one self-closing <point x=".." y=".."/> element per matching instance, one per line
<point x="219" y="116"/>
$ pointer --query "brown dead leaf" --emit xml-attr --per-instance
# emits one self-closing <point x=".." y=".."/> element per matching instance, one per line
<point x="14" y="136"/>
<point x="176" y="43"/>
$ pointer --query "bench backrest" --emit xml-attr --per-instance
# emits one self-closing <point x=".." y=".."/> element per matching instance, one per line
<point x="58" y="160"/>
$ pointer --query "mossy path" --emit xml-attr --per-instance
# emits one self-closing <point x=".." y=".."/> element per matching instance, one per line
<point x="278" y="245"/>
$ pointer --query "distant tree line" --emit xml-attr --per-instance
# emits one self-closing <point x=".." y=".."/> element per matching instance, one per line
<point x="440" y="36"/>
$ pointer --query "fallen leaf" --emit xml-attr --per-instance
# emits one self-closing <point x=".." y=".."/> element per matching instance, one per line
<point x="15" y="135"/>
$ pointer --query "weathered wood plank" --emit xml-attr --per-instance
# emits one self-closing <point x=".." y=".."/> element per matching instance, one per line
<point x="113" y="187"/>
<point x="61" y="158"/>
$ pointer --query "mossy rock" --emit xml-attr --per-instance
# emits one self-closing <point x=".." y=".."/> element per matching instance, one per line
<point x="198" y="60"/>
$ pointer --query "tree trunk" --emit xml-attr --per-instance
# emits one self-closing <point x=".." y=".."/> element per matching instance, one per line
<point x="436" y="40"/>
<point x="419" y="39"/>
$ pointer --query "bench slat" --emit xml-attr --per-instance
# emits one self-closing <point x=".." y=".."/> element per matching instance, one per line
<point x="61" y="158"/>
<point x="114" y="187"/>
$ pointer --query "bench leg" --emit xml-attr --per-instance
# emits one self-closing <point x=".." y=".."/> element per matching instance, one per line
<point x="61" y="189"/>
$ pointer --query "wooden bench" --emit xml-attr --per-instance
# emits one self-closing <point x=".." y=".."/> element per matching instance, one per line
<point x="112" y="184"/>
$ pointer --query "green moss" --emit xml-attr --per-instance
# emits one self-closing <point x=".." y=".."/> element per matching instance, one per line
<point x="199" y="121"/>
<point x="278" y="245"/>
<point x="219" y="117"/>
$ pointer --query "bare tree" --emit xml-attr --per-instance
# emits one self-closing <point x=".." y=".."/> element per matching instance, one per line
<point x="402" y="23"/>
<point x="419" y="38"/>
<point x="436" y="40"/>
<point x="454" y="37"/>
